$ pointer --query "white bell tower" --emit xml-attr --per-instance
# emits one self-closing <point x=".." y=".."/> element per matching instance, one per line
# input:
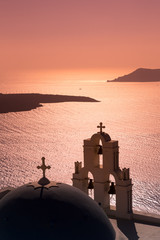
<point x="101" y="159"/>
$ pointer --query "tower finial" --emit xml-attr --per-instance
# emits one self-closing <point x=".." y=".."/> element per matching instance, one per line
<point x="101" y="127"/>
<point x="43" y="167"/>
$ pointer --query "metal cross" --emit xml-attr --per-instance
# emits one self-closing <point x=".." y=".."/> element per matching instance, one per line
<point x="43" y="166"/>
<point x="101" y="126"/>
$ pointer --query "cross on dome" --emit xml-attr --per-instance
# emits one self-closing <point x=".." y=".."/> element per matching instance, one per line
<point x="43" y="167"/>
<point x="101" y="126"/>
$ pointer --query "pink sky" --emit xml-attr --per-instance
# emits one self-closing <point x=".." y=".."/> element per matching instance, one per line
<point x="76" y="35"/>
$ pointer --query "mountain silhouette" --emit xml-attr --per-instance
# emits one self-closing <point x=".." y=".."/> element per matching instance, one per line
<point x="29" y="101"/>
<point x="140" y="75"/>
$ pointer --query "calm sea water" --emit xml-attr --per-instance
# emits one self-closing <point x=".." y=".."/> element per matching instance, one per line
<point x="130" y="112"/>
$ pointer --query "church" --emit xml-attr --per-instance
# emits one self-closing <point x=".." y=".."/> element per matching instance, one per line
<point x="53" y="210"/>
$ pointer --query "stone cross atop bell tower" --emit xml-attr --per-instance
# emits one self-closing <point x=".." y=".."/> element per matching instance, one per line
<point x="101" y="126"/>
<point x="101" y="159"/>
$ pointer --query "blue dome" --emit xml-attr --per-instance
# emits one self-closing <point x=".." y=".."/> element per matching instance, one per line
<point x="54" y="213"/>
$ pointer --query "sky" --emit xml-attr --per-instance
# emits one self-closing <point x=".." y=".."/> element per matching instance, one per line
<point x="103" y="38"/>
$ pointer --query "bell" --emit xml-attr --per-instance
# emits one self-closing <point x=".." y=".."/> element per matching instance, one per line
<point x="90" y="184"/>
<point x="112" y="189"/>
<point x="100" y="150"/>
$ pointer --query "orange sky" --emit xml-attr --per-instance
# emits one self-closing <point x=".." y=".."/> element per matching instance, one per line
<point x="79" y="35"/>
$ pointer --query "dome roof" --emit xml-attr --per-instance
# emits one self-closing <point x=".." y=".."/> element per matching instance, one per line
<point x="55" y="211"/>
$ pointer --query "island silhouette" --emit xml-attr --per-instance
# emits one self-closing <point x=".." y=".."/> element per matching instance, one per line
<point x="29" y="101"/>
<point x="140" y="75"/>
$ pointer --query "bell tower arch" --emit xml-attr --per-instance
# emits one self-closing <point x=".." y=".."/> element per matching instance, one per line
<point x="101" y="145"/>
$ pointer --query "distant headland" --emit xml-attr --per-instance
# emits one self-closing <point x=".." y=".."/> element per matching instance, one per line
<point x="29" y="101"/>
<point x="140" y="75"/>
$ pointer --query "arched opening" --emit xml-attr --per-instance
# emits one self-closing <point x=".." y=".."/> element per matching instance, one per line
<point x="90" y="185"/>
<point x="100" y="154"/>
<point x="112" y="192"/>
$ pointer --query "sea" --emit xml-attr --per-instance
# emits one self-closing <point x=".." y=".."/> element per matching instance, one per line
<point x="129" y="111"/>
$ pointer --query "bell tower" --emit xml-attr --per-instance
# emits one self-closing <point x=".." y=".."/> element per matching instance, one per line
<point x="101" y="159"/>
